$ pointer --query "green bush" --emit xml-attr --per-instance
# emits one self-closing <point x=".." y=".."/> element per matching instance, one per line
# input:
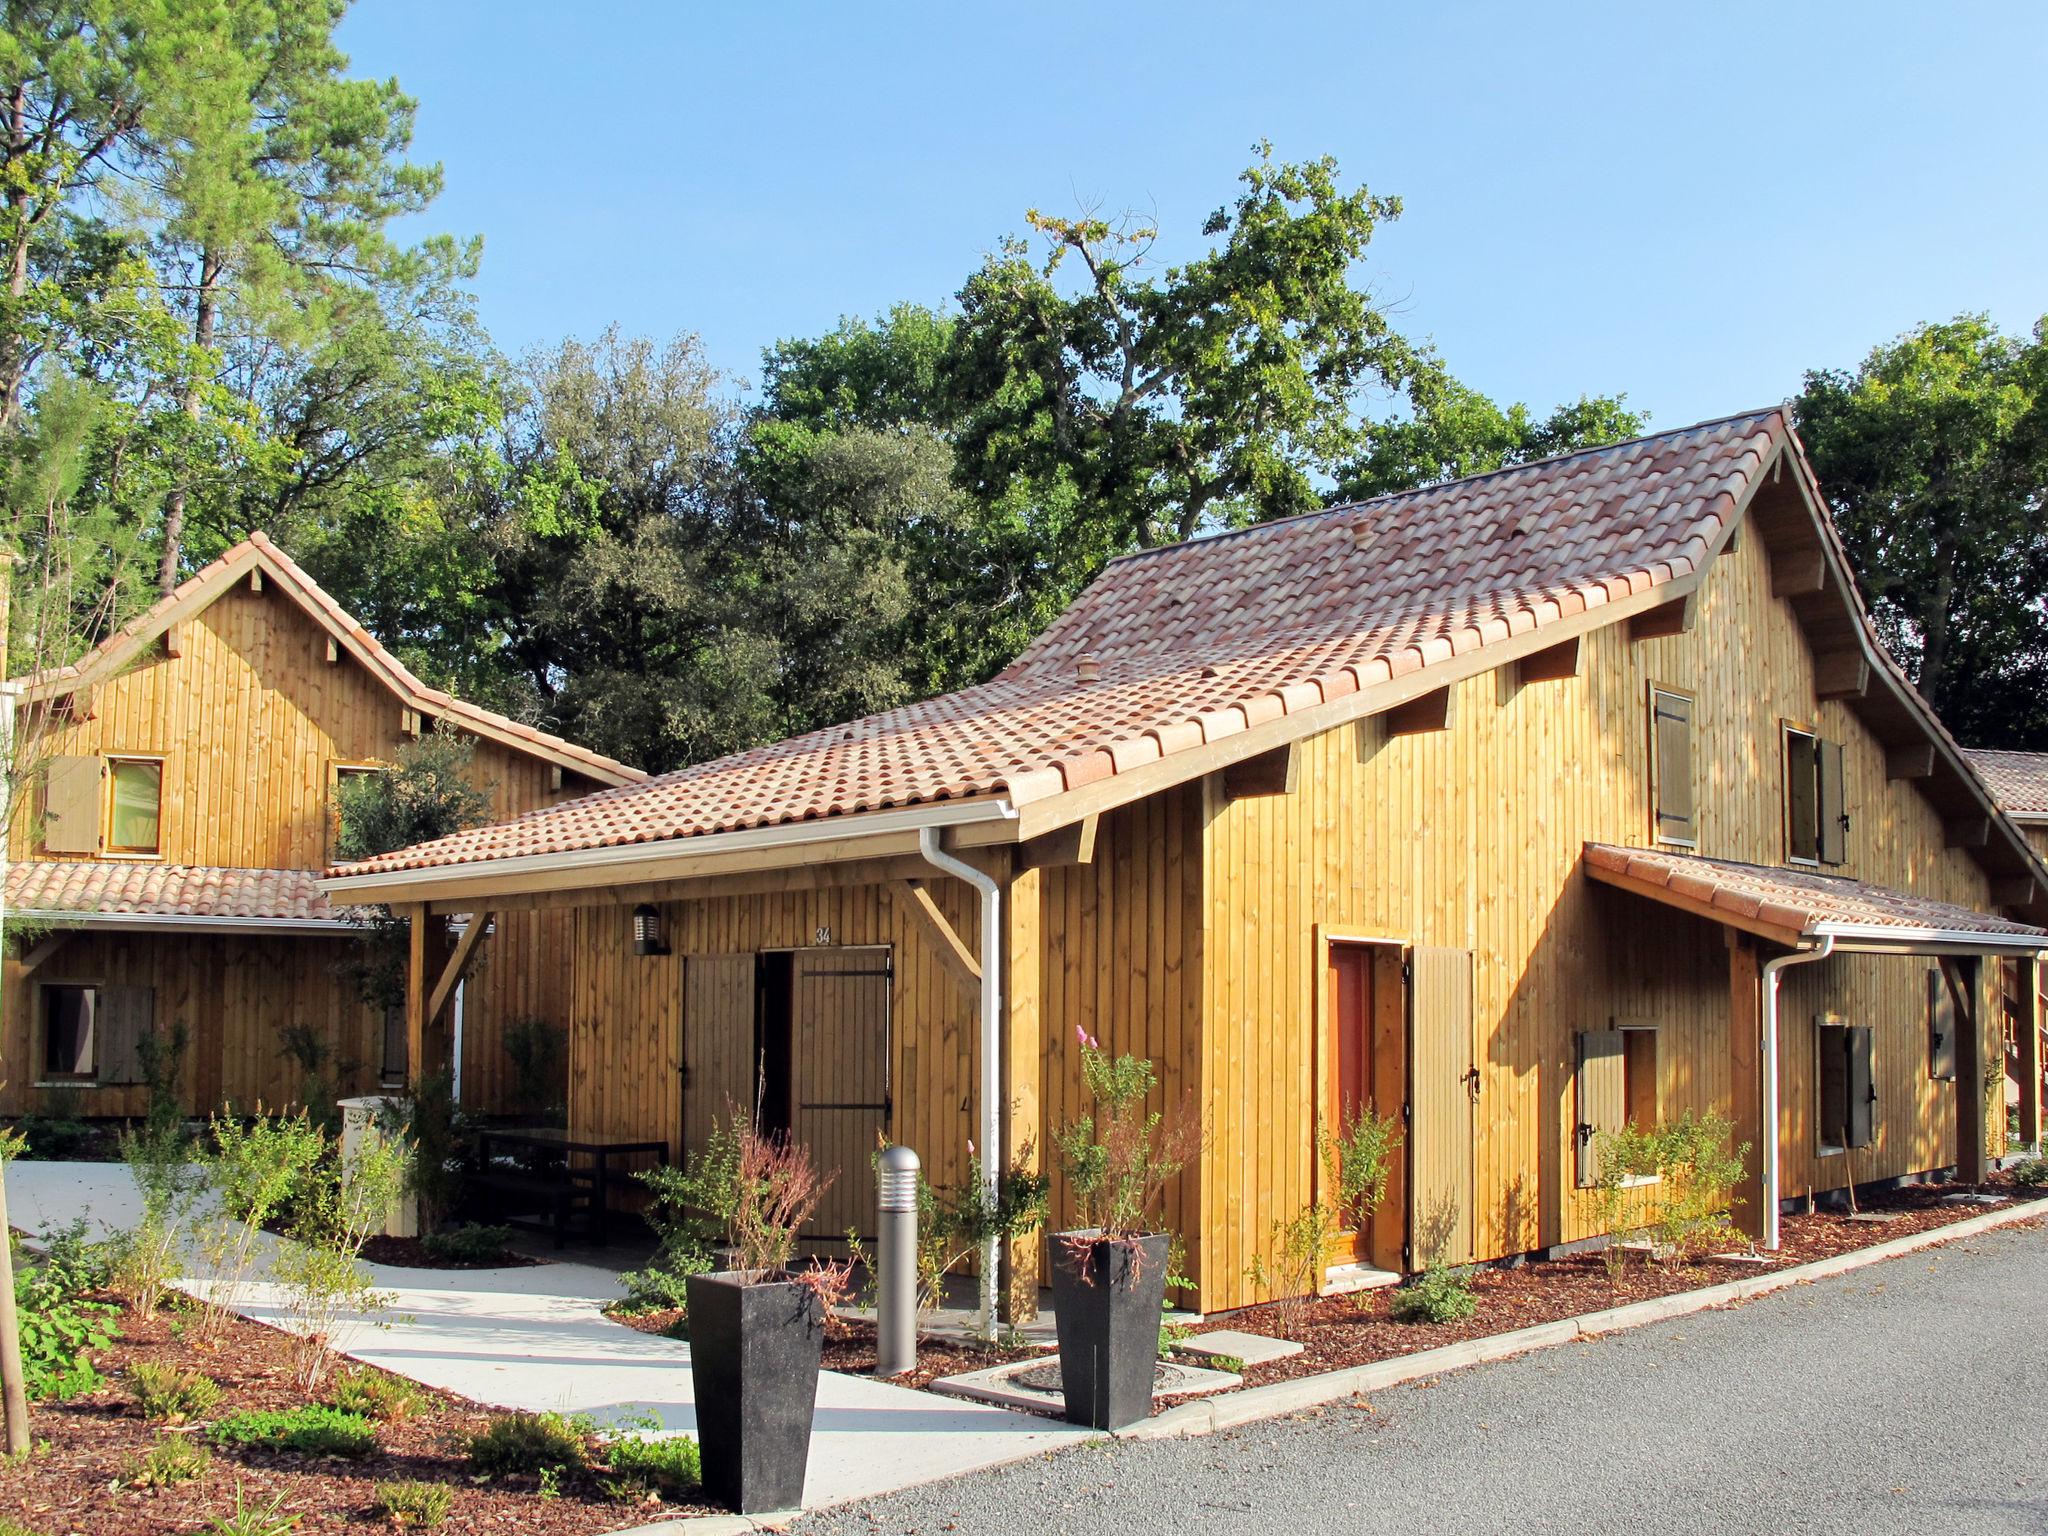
<point x="467" y="1244"/>
<point x="61" y="1324"/>
<point x="639" y="1466"/>
<point x="374" y="1395"/>
<point x="172" y="1460"/>
<point x="421" y="1506"/>
<point x="1685" y="1211"/>
<point x="528" y="1444"/>
<point x="170" y="1395"/>
<point x="312" y="1429"/>
<point x="1440" y="1295"/>
<point x="54" y="1129"/>
<point x="2032" y="1173"/>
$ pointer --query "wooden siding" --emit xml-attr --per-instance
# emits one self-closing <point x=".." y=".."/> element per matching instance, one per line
<point x="1470" y="837"/>
<point x="250" y="719"/>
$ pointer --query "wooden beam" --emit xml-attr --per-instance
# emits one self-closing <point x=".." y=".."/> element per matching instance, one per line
<point x="1270" y="773"/>
<point x="1553" y="664"/>
<point x="458" y="963"/>
<point x="415" y="995"/>
<point x="1841" y="674"/>
<point x="409" y="722"/>
<point x="1672" y="618"/>
<point x="174" y="641"/>
<point x="1431" y="712"/>
<point x="554" y="778"/>
<point x="333" y="650"/>
<point x="1968" y="832"/>
<point x="1023" y="1065"/>
<point x="2013" y="891"/>
<point x="1798" y="571"/>
<point x="762" y="882"/>
<point x="43" y="949"/>
<point x="1913" y="762"/>
<point x="1745" y="1076"/>
<point x="957" y="954"/>
<point x="256" y="579"/>
<point x="1071" y="844"/>
<point x="2027" y="1038"/>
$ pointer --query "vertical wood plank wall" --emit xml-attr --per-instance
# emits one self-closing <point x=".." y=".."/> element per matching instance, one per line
<point x="1470" y="837"/>
<point x="250" y="720"/>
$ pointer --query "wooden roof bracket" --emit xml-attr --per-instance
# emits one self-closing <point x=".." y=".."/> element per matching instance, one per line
<point x="1672" y="618"/>
<point x="1913" y="761"/>
<point x="1967" y="832"/>
<point x="1433" y="711"/>
<point x="1270" y="773"/>
<point x="1841" y="675"/>
<point x="951" y="948"/>
<point x="1072" y="844"/>
<point x="459" y="962"/>
<point x="1797" y="572"/>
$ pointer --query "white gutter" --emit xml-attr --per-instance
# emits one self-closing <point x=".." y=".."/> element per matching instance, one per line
<point x="183" y="922"/>
<point x="1768" y="1131"/>
<point x="1871" y="937"/>
<point x="795" y="834"/>
<point x="991" y="1043"/>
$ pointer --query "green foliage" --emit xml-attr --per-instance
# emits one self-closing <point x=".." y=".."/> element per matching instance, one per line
<point x="54" y="1128"/>
<point x="1119" y="1160"/>
<point x="159" y="1158"/>
<point x="61" y="1323"/>
<point x="254" y="1170"/>
<point x="1439" y="1295"/>
<point x="1357" y="1159"/>
<point x="308" y="1048"/>
<point x="170" y="1394"/>
<point x="1684" y="1212"/>
<point x="954" y="1225"/>
<point x="411" y="1504"/>
<point x="528" y="1444"/>
<point x="691" y="1209"/>
<point x="374" y="1395"/>
<point x="311" y="1429"/>
<point x="342" y="1202"/>
<point x="538" y="1051"/>
<point x="1934" y="457"/>
<point x="470" y="1243"/>
<point x="1295" y="1276"/>
<point x="438" y="1133"/>
<point x="639" y="1466"/>
<point x="159" y="1056"/>
<point x="2031" y="1173"/>
<point x="170" y="1460"/>
<point x="16" y="1528"/>
<point x="428" y="792"/>
<point x="260" y="1520"/>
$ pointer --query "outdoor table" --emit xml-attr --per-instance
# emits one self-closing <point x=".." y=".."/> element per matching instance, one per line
<point x="561" y="1191"/>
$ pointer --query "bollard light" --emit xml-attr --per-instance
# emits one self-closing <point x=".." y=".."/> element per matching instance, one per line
<point x="896" y="1263"/>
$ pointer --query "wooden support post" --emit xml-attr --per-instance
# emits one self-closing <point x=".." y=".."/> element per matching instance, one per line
<point x="1972" y="1052"/>
<point x="416" y="994"/>
<point x="946" y="941"/>
<point x="174" y="640"/>
<point x="1023" y="1058"/>
<point x="1745" y="1076"/>
<point x="2027" y="1027"/>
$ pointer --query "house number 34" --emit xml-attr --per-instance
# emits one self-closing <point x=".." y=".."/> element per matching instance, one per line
<point x="824" y="937"/>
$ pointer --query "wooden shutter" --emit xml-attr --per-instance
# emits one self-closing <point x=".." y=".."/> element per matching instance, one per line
<point x="1671" y="737"/>
<point x="1860" y="1085"/>
<point x="1443" y="1090"/>
<point x="125" y="1016"/>
<point x="392" y="1068"/>
<point x="1602" y="1096"/>
<point x="1832" y="810"/>
<point x="839" y="1029"/>
<point x="718" y="1043"/>
<point x="71" y="805"/>
<point x="1941" y="1026"/>
<point x="1802" y="798"/>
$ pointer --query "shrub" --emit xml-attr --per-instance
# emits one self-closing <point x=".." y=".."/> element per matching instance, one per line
<point x="341" y="1204"/>
<point x="309" y="1049"/>
<point x="1118" y="1161"/>
<point x="640" y="1466"/>
<point x="373" y="1394"/>
<point x="170" y="1395"/>
<point x="255" y="1171"/>
<point x="1295" y="1277"/>
<point x="311" y="1429"/>
<point x="55" y="1129"/>
<point x="61" y="1325"/>
<point x="528" y="1444"/>
<point x="2032" y="1173"/>
<point x="266" y="1520"/>
<point x="1358" y="1158"/>
<point x="413" y="1503"/>
<point x="16" y="1528"/>
<point x="437" y="1131"/>
<point x="690" y="1211"/>
<point x="470" y="1243"/>
<point x="159" y="1159"/>
<point x="1440" y="1295"/>
<point x="172" y="1460"/>
<point x="1685" y="1212"/>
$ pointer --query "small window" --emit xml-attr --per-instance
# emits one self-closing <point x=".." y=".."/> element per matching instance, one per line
<point x="1816" y="818"/>
<point x="135" y="787"/>
<point x="68" y="1028"/>
<point x="1672" y="809"/>
<point x="1846" y="1084"/>
<point x="1941" y="1026"/>
<point x="1617" y="1087"/>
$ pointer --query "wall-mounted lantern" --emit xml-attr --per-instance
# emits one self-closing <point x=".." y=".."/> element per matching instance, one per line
<point x="647" y="931"/>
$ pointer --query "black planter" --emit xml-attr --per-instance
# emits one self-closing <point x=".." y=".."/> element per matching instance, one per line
<point x="1107" y="1294"/>
<point x="754" y="1352"/>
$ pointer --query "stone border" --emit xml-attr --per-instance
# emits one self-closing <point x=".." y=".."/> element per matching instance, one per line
<point x="1190" y="1420"/>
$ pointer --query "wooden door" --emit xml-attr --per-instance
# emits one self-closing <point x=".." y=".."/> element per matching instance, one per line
<point x="718" y="1043"/>
<point x="1442" y="1095"/>
<point x="839" y="1018"/>
<point x="1366" y="1056"/>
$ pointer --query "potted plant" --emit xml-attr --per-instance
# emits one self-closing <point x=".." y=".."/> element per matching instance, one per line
<point x="1109" y="1273"/>
<point x="757" y="1333"/>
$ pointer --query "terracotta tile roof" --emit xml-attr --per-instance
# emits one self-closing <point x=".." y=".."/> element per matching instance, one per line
<point x="2018" y="780"/>
<point x="1201" y="640"/>
<point x="1800" y="902"/>
<point x="258" y="551"/>
<point x="91" y="888"/>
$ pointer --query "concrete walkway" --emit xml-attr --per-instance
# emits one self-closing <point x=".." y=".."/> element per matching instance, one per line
<point x="536" y="1338"/>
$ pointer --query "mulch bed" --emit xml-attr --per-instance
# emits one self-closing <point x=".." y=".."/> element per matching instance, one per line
<point x="1342" y="1331"/>
<point x="407" y="1253"/>
<point x="84" y="1449"/>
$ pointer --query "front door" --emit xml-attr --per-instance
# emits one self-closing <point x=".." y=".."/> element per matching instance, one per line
<point x="840" y="1105"/>
<point x="1366" y="1072"/>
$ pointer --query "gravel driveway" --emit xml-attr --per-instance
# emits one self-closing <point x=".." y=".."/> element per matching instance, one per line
<point x="1905" y="1397"/>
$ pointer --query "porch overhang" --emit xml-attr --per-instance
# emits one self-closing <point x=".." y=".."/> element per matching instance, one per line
<point x="1804" y="909"/>
<point x="142" y="896"/>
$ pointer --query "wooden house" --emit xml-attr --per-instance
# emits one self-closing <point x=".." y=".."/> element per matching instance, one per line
<point x="1516" y="808"/>
<point x="2018" y="781"/>
<point x="167" y="852"/>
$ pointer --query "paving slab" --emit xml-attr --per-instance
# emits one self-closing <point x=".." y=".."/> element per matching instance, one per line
<point x="1251" y="1348"/>
<point x="1012" y="1384"/>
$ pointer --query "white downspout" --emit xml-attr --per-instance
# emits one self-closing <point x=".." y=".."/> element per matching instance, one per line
<point x="991" y="1043"/>
<point x="455" y="1084"/>
<point x="1769" y="1129"/>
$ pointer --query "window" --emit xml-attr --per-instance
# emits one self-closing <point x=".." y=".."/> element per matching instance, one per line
<point x="135" y="787"/>
<point x="68" y="1032"/>
<point x="1672" y="812"/>
<point x="1617" y="1087"/>
<point x="1816" y="820"/>
<point x="1846" y="1086"/>
<point x="1941" y="1026"/>
<point x="94" y="1033"/>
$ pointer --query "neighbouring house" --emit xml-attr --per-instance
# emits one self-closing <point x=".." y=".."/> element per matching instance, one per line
<point x="1515" y="808"/>
<point x="167" y="853"/>
<point x="2019" y="783"/>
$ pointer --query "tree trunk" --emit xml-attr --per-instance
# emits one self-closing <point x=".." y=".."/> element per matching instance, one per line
<point x="206" y="316"/>
<point x="14" y="348"/>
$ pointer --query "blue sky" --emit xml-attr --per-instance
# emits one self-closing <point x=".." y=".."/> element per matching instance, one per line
<point x="1689" y="203"/>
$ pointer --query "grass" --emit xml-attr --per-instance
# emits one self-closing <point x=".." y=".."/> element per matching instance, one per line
<point x="374" y="1395"/>
<point x="264" y="1520"/>
<point x="528" y="1444"/>
<point x="640" y="1466"/>
<point x="167" y="1394"/>
<point x="313" y="1429"/>
<point x="172" y="1460"/>
<point x="414" y="1505"/>
<point x="1439" y="1296"/>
